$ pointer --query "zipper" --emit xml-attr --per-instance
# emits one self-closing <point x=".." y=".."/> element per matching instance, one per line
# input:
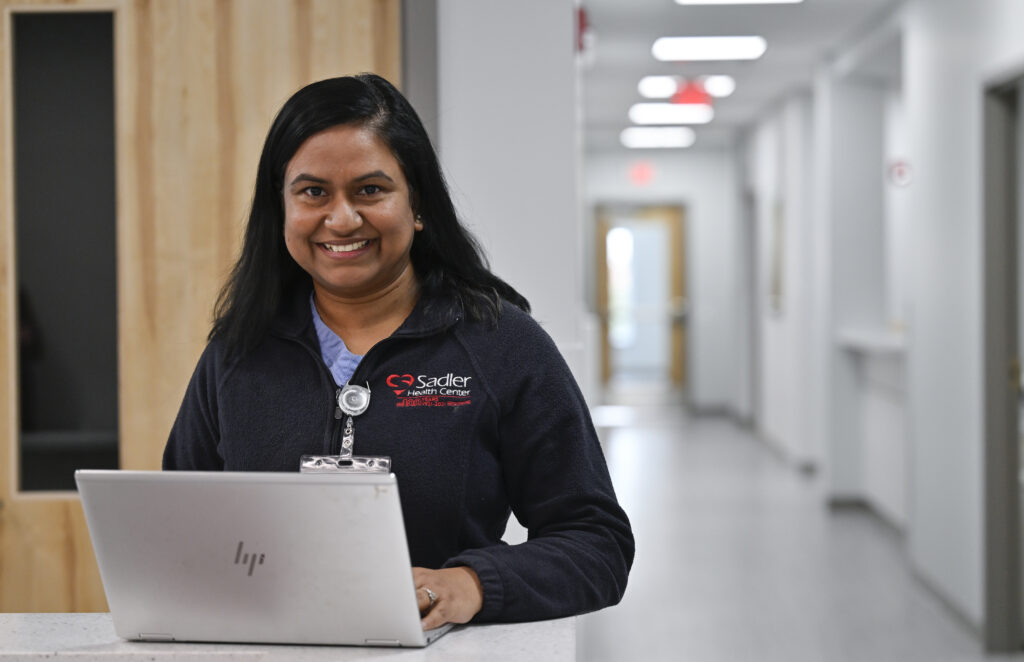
<point x="336" y="425"/>
<point x="336" y="432"/>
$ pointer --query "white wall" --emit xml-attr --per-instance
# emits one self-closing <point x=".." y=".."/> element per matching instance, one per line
<point x="943" y="92"/>
<point x="933" y="268"/>
<point x="950" y="49"/>
<point x="778" y="170"/>
<point x="899" y="236"/>
<point x="857" y="221"/>
<point x="944" y="368"/>
<point x="828" y="397"/>
<point x="509" y="143"/>
<point x="492" y="136"/>
<point x="705" y="183"/>
<point x="867" y="262"/>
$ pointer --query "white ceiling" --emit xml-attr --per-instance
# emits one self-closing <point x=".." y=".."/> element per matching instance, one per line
<point x="799" y="36"/>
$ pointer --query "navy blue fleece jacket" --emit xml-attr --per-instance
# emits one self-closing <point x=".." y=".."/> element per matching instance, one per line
<point x="479" y="420"/>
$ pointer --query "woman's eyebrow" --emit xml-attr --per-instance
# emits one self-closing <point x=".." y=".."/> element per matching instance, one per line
<point x="306" y="177"/>
<point x="372" y="175"/>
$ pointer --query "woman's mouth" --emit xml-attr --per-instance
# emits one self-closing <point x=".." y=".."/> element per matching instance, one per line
<point x="346" y="248"/>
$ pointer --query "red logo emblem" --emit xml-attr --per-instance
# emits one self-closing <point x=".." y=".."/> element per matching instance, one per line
<point x="397" y="381"/>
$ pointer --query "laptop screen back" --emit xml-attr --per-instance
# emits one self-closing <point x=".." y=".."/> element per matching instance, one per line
<point x="253" y="557"/>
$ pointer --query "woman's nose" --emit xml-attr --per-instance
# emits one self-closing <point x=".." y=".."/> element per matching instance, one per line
<point x="343" y="217"/>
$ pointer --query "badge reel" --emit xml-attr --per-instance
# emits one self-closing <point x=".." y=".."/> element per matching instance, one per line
<point x="352" y="401"/>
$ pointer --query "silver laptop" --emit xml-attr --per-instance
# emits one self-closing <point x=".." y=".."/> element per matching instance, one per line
<point x="254" y="557"/>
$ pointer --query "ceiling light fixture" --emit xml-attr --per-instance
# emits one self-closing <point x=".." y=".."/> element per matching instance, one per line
<point x="670" y="113"/>
<point x="693" y="93"/>
<point x="738" y="2"/>
<point x="642" y="137"/>
<point x="657" y="87"/>
<point x="709" y="48"/>
<point x="719" y="86"/>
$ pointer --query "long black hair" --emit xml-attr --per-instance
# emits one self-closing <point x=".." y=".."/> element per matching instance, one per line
<point x="445" y="256"/>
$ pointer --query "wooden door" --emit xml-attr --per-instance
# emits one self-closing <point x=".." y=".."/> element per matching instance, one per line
<point x="197" y="85"/>
<point x="672" y="218"/>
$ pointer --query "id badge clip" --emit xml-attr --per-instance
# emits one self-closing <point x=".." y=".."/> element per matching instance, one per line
<point x="339" y="464"/>
<point x="352" y="401"/>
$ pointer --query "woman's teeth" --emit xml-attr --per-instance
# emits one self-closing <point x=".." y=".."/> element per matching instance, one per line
<point x="335" y="248"/>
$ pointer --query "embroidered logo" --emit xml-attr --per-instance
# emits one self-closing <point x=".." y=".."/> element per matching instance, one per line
<point x="400" y="383"/>
<point x="448" y="390"/>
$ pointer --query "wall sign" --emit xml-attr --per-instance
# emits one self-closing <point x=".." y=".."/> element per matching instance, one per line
<point x="899" y="173"/>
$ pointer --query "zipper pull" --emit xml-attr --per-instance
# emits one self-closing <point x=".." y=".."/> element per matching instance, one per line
<point x="348" y="438"/>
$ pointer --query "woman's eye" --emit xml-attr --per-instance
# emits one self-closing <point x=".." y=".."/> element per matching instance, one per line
<point x="314" y="191"/>
<point x="370" y="189"/>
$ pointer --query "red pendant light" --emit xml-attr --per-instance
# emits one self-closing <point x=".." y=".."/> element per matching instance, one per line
<point x="692" y="92"/>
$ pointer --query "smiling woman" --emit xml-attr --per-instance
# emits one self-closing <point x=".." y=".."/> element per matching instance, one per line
<point x="356" y="271"/>
<point x="349" y="224"/>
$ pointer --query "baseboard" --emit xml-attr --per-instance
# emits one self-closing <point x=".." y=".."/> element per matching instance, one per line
<point x="803" y="465"/>
<point x="976" y="629"/>
<point x="851" y="503"/>
<point x="717" y="411"/>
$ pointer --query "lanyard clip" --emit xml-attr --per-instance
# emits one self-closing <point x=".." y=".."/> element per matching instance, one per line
<point x="342" y="464"/>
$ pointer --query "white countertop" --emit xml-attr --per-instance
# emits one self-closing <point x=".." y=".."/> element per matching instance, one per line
<point x="91" y="638"/>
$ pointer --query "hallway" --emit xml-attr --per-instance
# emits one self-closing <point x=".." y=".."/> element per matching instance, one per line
<point x="738" y="557"/>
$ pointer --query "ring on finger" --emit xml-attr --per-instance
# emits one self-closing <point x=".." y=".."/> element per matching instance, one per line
<point x="430" y="596"/>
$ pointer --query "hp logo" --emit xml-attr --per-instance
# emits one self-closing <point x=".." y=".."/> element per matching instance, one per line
<point x="247" y="558"/>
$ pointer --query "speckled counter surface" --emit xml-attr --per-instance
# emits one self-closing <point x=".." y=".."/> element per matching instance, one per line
<point x="91" y="638"/>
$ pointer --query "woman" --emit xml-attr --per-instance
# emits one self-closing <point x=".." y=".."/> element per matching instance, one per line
<point x="355" y="270"/>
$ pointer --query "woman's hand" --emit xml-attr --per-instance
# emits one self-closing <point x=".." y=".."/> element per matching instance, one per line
<point x="458" y="595"/>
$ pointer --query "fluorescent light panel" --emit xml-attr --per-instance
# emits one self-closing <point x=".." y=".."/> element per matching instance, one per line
<point x="709" y="48"/>
<point x="657" y="87"/>
<point x="738" y="2"/>
<point x="640" y="137"/>
<point x="670" y="113"/>
<point x="719" y="85"/>
<point x="663" y="87"/>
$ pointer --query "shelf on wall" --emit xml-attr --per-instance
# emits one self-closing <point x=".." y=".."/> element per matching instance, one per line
<point x="872" y="341"/>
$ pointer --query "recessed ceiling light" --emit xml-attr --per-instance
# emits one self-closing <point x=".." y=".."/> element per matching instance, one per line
<point x="658" y="87"/>
<point x="719" y="86"/>
<point x="670" y="113"/>
<point x="737" y="2"/>
<point x="709" y="48"/>
<point x="639" y="137"/>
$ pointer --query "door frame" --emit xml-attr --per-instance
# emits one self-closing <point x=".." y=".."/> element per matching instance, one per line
<point x="46" y="556"/>
<point x="673" y="215"/>
<point x="1003" y="628"/>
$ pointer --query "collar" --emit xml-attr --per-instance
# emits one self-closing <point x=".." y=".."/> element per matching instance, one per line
<point x="432" y="314"/>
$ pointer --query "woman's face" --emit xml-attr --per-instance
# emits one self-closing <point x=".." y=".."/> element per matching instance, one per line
<point x="347" y="218"/>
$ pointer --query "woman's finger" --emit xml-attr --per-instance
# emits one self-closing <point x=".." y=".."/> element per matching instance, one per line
<point x="422" y="600"/>
<point x="451" y="595"/>
<point x="434" y="619"/>
<point x="445" y="610"/>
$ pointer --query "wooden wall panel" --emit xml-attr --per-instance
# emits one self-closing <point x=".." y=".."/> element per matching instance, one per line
<point x="198" y="83"/>
<point x="220" y="69"/>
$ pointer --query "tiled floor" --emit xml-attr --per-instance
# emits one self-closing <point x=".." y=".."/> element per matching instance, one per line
<point x="739" y="559"/>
